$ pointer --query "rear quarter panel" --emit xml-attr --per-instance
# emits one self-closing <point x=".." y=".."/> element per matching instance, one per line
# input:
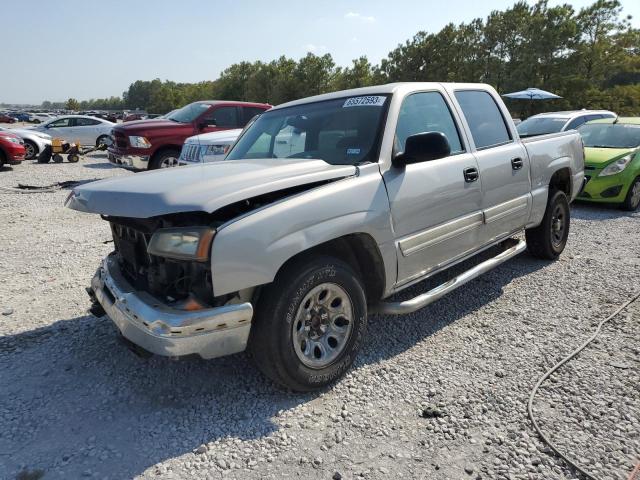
<point x="549" y="154"/>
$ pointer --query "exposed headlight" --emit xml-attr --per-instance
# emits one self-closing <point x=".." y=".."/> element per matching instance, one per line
<point x="215" y="149"/>
<point x="185" y="243"/>
<point x="139" y="142"/>
<point x="44" y="136"/>
<point x="13" y="140"/>
<point x="617" y="166"/>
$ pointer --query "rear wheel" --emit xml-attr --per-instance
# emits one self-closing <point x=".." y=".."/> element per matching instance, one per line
<point x="57" y="158"/>
<point x="165" y="159"/>
<point x="310" y="323"/>
<point x="548" y="239"/>
<point x="30" y="150"/>
<point x="632" y="199"/>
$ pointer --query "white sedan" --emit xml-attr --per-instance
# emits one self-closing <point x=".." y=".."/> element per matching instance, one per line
<point x="89" y="131"/>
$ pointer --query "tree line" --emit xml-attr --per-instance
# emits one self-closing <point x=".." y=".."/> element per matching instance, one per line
<point x="590" y="57"/>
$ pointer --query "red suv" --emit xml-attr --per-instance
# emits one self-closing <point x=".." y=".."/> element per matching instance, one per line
<point x="151" y="144"/>
<point x="11" y="149"/>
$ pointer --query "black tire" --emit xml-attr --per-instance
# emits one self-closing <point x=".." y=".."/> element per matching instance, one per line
<point x="45" y="155"/>
<point x="632" y="200"/>
<point x="160" y="158"/>
<point x="57" y="158"/>
<point x="103" y="139"/>
<point x="547" y="240"/>
<point x="73" y="158"/>
<point x="272" y="335"/>
<point x="31" y="150"/>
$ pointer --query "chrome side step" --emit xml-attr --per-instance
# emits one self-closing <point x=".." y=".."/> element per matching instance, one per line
<point x="409" y="306"/>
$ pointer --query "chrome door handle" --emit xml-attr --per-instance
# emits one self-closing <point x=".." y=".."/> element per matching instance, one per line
<point x="470" y="174"/>
<point x="516" y="163"/>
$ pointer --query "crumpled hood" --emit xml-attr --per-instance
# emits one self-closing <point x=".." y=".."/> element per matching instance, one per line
<point x="598" y="157"/>
<point x="205" y="187"/>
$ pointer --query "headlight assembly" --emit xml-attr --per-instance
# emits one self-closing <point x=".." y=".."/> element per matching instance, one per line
<point x="617" y="166"/>
<point x="184" y="243"/>
<point x="216" y="149"/>
<point x="139" y="142"/>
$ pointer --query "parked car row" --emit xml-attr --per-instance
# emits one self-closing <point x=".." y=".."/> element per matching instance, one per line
<point x="157" y="143"/>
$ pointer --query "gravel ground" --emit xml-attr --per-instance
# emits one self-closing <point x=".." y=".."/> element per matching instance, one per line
<point x="439" y="394"/>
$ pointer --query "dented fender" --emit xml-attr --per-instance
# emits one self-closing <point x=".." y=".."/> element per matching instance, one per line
<point x="249" y="251"/>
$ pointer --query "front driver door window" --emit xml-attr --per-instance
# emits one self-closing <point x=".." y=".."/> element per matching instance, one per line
<point x="222" y="118"/>
<point x="60" y="128"/>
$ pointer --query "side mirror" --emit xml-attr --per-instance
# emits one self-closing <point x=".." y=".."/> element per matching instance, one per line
<point x="423" y="147"/>
<point x="203" y="125"/>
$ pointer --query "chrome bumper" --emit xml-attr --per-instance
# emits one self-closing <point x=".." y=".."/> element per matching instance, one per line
<point x="134" y="162"/>
<point x="160" y="329"/>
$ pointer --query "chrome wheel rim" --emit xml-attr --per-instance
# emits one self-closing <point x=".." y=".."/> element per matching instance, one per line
<point x="635" y="194"/>
<point x="558" y="220"/>
<point x="169" y="162"/>
<point x="322" y="325"/>
<point x="29" y="151"/>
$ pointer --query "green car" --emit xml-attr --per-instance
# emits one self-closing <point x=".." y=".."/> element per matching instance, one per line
<point x="612" y="161"/>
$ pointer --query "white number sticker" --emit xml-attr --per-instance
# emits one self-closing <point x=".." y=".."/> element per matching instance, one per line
<point x="371" y="101"/>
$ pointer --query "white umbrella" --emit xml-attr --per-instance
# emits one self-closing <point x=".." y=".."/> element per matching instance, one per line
<point x="532" y="94"/>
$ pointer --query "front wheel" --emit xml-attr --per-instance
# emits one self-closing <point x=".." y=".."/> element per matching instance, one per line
<point x="166" y="159"/>
<point x="632" y="199"/>
<point x="310" y="323"/>
<point x="548" y="239"/>
<point x="30" y="150"/>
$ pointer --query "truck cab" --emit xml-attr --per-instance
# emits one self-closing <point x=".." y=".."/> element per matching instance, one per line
<point x="156" y="143"/>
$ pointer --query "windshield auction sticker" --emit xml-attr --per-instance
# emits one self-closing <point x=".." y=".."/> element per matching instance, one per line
<point x="370" y="101"/>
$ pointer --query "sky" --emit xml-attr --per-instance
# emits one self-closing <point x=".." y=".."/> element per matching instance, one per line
<point x="97" y="48"/>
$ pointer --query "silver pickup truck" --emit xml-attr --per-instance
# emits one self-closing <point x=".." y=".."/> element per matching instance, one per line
<point x="325" y="208"/>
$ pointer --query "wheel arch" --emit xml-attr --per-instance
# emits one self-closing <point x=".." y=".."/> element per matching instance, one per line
<point x="360" y="252"/>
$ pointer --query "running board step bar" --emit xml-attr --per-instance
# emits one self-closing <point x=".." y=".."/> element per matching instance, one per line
<point x="421" y="301"/>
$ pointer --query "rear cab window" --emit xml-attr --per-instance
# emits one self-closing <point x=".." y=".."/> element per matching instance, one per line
<point x="486" y="122"/>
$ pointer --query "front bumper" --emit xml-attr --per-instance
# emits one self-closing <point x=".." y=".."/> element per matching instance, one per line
<point x="133" y="162"/>
<point x="610" y="189"/>
<point x="160" y="329"/>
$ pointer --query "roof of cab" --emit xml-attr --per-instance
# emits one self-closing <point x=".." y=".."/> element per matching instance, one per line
<point x="385" y="89"/>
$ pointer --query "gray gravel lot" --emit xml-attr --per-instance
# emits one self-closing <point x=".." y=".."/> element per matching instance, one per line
<point x="439" y="394"/>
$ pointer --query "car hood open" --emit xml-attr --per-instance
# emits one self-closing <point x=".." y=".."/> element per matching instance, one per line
<point x="204" y="188"/>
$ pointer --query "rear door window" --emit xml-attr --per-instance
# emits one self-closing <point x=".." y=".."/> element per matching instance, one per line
<point x="487" y="125"/>
<point x="249" y="112"/>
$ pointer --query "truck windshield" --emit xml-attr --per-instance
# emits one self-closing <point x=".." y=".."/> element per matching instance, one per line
<point x="344" y="131"/>
<point x="188" y="113"/>
<point x="609" y="135"/>
<point x="540" y="126"/>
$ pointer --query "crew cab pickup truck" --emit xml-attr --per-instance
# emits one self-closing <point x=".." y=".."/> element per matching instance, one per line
<point x="152" y="144"/>
<point x="285" y="248"/>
